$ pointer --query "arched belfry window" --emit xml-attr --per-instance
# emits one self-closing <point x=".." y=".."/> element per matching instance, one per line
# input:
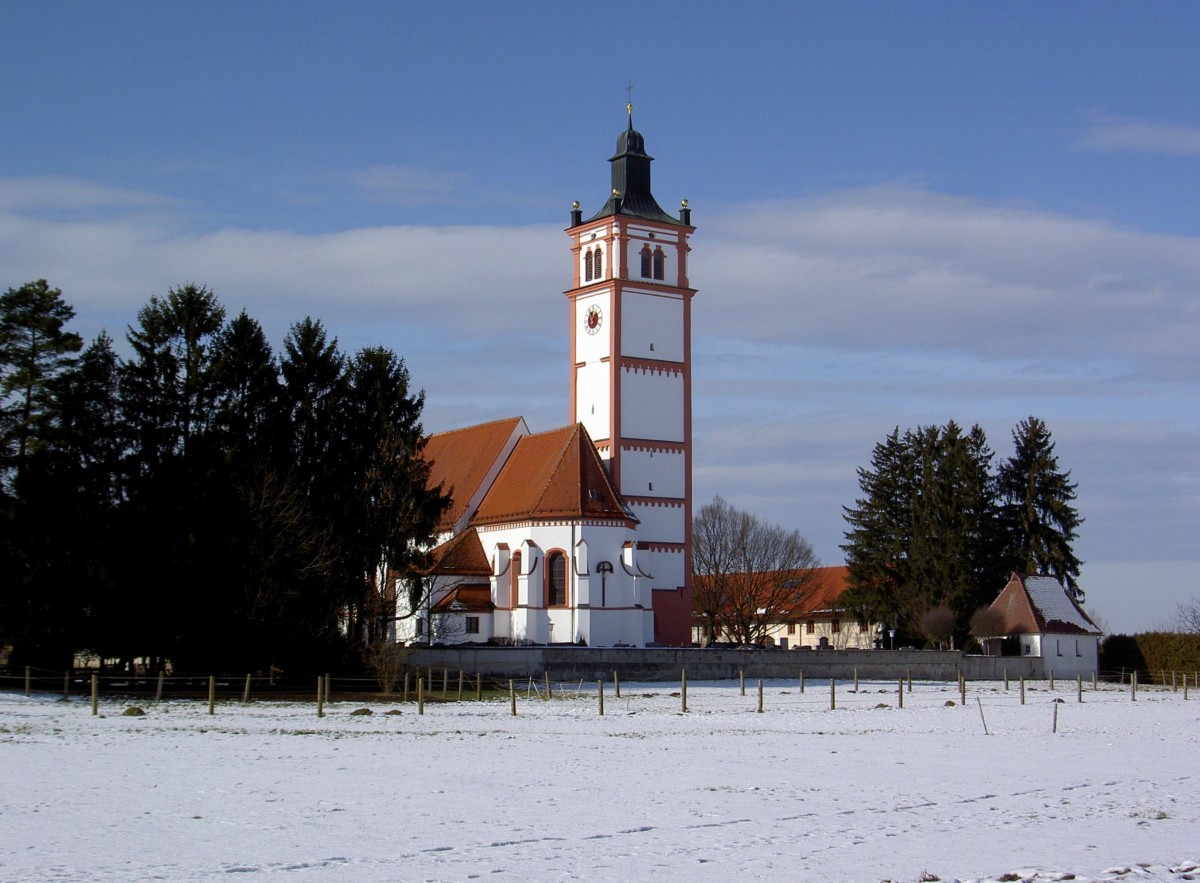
<point x="556" y="580"/>
<point x="587" y="266"/>
<point x="599" y="264"/>
<point x="645" y="255"/>
<point x="659" y="260"/>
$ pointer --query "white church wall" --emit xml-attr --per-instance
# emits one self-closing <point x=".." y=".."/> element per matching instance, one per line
<point x="651" y="407"/>
<point x="666" y="567"/>
<point x="592" y="398"/>
<point x="664" y="469"/>
<point x="652" y="326"/>
<point x="665" y="522"/>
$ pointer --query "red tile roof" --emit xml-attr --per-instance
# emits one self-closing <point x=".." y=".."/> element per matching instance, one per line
<point x="471" y="599"/>
<point x="818" y="594"/>
<point x="461" y="555"/>
<point x="552" y="475"/>
<point x="459" y="460"/>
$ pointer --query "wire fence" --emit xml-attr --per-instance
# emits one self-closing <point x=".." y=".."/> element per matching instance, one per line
<point x="443" y="685"/>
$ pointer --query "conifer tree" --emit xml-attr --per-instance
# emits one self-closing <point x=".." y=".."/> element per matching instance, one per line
<point x="1039" y="521"/>
<point x="34" y="350"/>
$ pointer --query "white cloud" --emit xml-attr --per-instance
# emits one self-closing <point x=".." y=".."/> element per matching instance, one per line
<point x="897" y="268"/>
<point x="1109" y="133"/>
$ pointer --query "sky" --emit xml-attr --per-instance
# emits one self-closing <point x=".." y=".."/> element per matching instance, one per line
<point x="906" y="214"/>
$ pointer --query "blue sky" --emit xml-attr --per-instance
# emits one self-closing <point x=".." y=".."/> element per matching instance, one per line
<point x="906" y="213"/>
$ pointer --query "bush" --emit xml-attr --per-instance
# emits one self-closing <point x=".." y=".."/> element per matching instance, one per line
<point x="1151" y="652"/>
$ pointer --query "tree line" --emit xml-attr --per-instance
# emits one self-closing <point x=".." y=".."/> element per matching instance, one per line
<point x="939" y="529"/>
<point x="203" y="502"/>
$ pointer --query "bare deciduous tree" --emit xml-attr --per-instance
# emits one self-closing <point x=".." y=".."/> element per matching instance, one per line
<point x="1187" y="616"/>
<point x="748" y="574"/>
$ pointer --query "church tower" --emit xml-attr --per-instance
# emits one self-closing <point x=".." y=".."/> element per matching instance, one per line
<point x="631" y="376"/>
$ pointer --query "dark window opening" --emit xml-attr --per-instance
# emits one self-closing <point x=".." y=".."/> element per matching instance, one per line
<point x="556" y="575"/>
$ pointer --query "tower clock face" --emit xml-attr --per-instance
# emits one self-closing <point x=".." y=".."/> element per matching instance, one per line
<point x="593" y="319"/>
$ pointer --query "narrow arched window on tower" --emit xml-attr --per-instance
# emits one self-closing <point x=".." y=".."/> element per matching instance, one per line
<point x="659" y="260"/>
<point x="645" y="254"/>
<point x="587" y="266"/>
<point x="599" y="264"/>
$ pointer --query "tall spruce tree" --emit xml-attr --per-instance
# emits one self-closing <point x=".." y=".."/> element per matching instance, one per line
<point x="1039" y="521"/>
<point x="921" y="536"/>
<point x="34" y="350"/>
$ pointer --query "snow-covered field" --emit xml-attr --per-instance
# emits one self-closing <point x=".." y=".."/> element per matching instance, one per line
<point x="467" y="791"/>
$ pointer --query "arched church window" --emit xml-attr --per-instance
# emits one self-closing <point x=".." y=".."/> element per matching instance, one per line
<point x="556" y="580"/>
<point x="587" y="266"/>
<point x="659" y="260"/>
<point x="645" y="254"/>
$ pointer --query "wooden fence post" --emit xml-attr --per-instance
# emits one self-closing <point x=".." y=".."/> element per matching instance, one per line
<point x="512" y="698"/>
<point x="1133" y="685"/>
<point x="95" y="695"/>
<point x="67" y="685"/>
<point x="478" y="686"/>
<point x="320" y="696"/>
<point x="600" y="687"/>
<point x="420" y="695"/>
<point x="760" y="696"/>
<point x="1079" y="686"/>
<point x="617" y="682"/>
<point x="212" y="694"/>
<point x="856" y="679"/>
<point x="159" y="690"/>
<point x="683" y="690"/>
<point x="246" y="692"/>
<point x="909" y="672"/>
<point x="1005" y="680"/>
<point x="328" y="688"/>
<point x="1022" y="689"/>
<point x="460" y="684"/>
<point x="546" y="678"/>
<point x="404" y="695"/>
<point x="832" y="693"/>
<point x="900" y="691"/>
<point x="28" y="680"/>
<point x="742" y="681"/>
<point x="802" y="682"/>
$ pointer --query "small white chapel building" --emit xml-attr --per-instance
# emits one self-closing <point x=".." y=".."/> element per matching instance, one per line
<point x="1034" y="616"/>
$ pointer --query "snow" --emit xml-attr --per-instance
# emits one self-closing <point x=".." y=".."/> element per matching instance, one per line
<point x="1051" y="599"/>
<point x="467" y="791"/>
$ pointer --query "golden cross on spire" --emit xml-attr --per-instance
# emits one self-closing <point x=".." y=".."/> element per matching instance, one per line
<point x="629" y="105"/>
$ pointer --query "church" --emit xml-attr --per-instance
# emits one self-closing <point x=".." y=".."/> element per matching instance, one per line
<point x="582" y="534"/>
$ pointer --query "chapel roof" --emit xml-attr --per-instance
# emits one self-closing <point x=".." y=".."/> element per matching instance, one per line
<point x="552" y="475"/>
<point x="460" y="460"/>
<point x="1032" y="604"/>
